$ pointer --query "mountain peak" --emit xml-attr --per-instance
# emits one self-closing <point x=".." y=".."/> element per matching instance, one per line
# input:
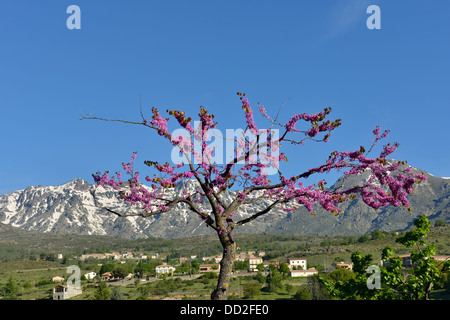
<point x="77" y="184"/>
<point x="188" y="185"/>
<point x="73" y="208"/>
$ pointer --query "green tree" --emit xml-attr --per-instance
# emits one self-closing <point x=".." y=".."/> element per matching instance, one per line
<point x="284" y="269"/>
<point x="183" y="268"/>
<point x="27" y="285"/>
<point x="439" y="223"/>
<point x="260" y="277"/>
<point x="107" y="267"/>
<point x="426" y="273"/>
<point x="10" y="289"/>
<point x="102" y="292"/>
<point x="252" y="288"/>
<point x="120" y="271"/>
<point x="363" y="238"/>
<point x="241" y="265"/>
<point x="288" y="287"/>
<point x="395" y="282"/>
<point x="274" y="281"/>
<point x="116" y="294"/>
<point x="316" y="289"/>
<point x="195" y="266"/>
<point x="341" y="274"/>
<point x="302" y="293"/>
<point x="377" y="235"/>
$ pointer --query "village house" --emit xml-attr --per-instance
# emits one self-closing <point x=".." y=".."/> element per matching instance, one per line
<point x="92" y="256"/>
<point x="208" y="258"/>
<point x="107" y="276"/>
<point x="240" y="256"/>
<point x="268" y="263"/>
<point x="164" y="269"/>
<point x="253" y="263"/>
<point x="216" y="258"/>
<point x="303" y="273"/>
<point x="129" y="277"/>
<point x="113" y="255"/>
<point x="343" y="265"/>
<point x="209" y="267"/>
<point x="128" y="255"/>
<point x="90" y="275"/>
<point x="62" y="292"/>
<point x="296" y="263"/>
<point x="441" y="258"/>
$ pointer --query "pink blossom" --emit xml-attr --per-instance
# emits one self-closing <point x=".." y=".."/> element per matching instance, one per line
<point x="389" y="182"/>
<point x="249" y="116"/>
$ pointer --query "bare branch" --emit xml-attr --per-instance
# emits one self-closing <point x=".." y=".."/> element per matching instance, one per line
<point x="260" y="213"/>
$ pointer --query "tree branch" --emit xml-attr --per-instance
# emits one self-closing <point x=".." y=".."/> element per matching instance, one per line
<point x="260" y="213"/>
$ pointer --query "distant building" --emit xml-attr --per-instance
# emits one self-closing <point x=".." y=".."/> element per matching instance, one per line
<point x="441" y="258"/>
<point x="267" y="264"/>
<point x="93" y="256"/>
<point x="128" y="255"/>
<point x="164" y="269"/>
<point x="303" y="273"/>
<point x="253" y="263"/>
<point x="209" y="267"/>
<point x="240" y="257"/>
<point x="155" y="256"/>
<point x="113" y="255"/>
<point x="107" y="276"/>
<point x="297" y="263"/>
<point x="62" y="292"/>
<point x="343" y="265"/>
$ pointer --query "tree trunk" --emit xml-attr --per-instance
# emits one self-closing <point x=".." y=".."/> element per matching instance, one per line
<point x="428" y="290"/>
<point x="226" y="267"/>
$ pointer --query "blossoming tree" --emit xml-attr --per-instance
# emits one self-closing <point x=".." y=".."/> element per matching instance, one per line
<point x="389" y="183"/>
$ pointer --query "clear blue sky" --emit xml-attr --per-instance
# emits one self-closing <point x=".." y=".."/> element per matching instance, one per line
<point x="183" y="54"/>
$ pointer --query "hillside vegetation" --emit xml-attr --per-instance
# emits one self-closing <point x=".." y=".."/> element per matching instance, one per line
<point x="17" y="244"/>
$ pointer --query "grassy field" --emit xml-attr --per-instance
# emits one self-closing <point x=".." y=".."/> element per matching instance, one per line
<point x="33" y="280"/>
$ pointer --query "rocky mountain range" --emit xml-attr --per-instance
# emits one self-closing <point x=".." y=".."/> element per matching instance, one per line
<point x="77" y="207"/>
